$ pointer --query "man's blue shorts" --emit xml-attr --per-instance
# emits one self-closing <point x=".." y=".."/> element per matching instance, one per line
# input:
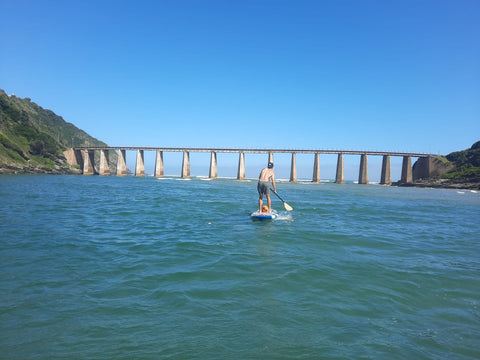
<point x="263" y="187"/>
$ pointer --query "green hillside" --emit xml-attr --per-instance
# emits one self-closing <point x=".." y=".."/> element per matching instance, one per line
<point x="31" y="136"/>
<point x="466" y="162"/>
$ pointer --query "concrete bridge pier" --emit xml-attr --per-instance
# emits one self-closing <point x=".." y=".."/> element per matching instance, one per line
<point x="104" y="168"/>
<point x="293" y="168"/>
<point x="77" y="158"/>
<point x="407" y="177"/>
<point x="363" y="173"/>
<point x="316" y="168"/>
<point x="88" y="162"/>
<point x="270" y="157"/>
<point x="74" y="157"/>
<point x="122" y="163"/>
<point x="213" y="165"/>
<point x="386" y="177"/>
<point x="159" y="164"/>
<point x="241" y="166"/>
<point x="186" y="165"/>
<point x="340" y="177"/>
<point x="140" y="165"/>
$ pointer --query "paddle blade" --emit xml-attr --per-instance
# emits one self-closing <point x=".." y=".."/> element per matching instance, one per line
<point x="287" y="207"/>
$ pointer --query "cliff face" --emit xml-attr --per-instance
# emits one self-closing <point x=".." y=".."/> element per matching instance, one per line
<point x="33" y="139"/>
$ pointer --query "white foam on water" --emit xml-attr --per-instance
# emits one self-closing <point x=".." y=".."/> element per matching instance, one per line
<point x="285" y="216"/>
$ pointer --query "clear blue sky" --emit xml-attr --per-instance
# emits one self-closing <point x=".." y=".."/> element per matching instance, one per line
<point x="346" y="74"/>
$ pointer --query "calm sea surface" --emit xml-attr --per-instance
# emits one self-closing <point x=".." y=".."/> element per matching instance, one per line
<point x="141" y="268"/>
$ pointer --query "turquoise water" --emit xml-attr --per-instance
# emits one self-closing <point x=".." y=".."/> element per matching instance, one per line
<point x="141" y="268"/>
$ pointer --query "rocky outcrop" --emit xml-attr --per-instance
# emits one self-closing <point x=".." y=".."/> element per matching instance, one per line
<point x="431" y="167"/>
<point x="61" y="167"/>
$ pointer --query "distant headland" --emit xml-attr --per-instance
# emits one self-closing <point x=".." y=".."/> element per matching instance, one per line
<point x="34" y="140"/>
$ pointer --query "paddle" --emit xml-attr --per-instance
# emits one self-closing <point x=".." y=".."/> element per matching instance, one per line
<point x="287" y="207"/>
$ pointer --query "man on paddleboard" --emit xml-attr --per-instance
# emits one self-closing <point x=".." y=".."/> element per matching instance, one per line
<point x="266" y="175"/>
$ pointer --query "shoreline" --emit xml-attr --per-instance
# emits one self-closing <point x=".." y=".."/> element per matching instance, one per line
<point x="465" y="183"/>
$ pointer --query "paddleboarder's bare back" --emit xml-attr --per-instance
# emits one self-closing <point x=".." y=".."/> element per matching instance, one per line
<point x="266" y="175"/>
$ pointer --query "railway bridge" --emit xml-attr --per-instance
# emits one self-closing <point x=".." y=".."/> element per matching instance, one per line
<point x="84" y="157"/>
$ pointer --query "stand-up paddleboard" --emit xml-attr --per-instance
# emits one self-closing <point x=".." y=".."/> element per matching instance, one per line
<point x="264" y="216"/>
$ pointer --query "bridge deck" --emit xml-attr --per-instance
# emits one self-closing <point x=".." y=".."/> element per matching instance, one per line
<point x="256" y="151"/>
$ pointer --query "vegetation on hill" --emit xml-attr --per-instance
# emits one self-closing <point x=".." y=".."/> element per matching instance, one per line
<point x="35" y="137"/>
<point x="466" y="162"/>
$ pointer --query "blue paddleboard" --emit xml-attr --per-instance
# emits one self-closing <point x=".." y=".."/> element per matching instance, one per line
<point x="264" y="216"/>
